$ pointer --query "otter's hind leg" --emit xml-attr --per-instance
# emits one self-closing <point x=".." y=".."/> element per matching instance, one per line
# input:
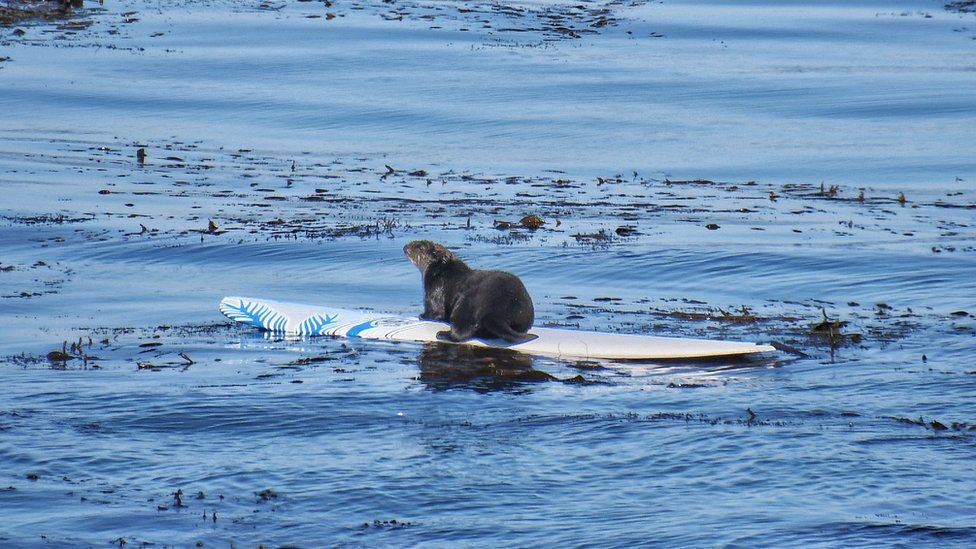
<point x="464" y="325"/>
<point x="457" y="336"/>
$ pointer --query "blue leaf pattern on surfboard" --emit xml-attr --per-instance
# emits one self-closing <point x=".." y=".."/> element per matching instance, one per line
<point x="316" y="324"/>
<point x="256" y="314"/>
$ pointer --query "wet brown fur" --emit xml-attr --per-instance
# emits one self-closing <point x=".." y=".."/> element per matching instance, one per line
<point x="486" y="304"/>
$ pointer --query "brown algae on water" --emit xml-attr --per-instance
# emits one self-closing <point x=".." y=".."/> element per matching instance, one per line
<point x="18" y="11"/>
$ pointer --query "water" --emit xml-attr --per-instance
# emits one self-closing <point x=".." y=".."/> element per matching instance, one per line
<point x="278" y="128"/>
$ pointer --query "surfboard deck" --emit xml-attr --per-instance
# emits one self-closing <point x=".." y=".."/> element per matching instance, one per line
<point x="314" y="320"/>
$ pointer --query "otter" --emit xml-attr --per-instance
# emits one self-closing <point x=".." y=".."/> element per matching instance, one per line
<point x="477" y="303"/>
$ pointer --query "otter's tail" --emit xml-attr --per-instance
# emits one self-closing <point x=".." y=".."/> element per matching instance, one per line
<point x="502" y="330"/>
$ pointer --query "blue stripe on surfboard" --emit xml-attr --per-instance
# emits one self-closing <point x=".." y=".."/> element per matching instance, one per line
<point x="359" y="328"/>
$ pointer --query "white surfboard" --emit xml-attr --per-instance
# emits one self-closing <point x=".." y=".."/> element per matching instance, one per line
<point x="313" y="320"/>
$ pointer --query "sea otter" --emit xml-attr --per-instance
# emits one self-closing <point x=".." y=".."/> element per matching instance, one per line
<point x="477" y="303"/>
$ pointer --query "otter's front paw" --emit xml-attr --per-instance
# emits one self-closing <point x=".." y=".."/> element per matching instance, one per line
<point x="446" y="335"/>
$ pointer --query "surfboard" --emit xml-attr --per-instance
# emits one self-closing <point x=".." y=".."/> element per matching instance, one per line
<point x="314" y="320"/>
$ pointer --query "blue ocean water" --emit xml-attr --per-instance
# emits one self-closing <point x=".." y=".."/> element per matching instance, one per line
<point x="756" y="171"/>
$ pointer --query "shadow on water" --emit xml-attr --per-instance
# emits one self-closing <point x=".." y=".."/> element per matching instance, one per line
<point x="480" y="369"/>
<point x="483" y="369"/>
<point x="707" y="364"/>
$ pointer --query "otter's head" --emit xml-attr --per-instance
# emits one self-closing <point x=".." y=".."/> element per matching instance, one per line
<point x="424" y="253"/>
